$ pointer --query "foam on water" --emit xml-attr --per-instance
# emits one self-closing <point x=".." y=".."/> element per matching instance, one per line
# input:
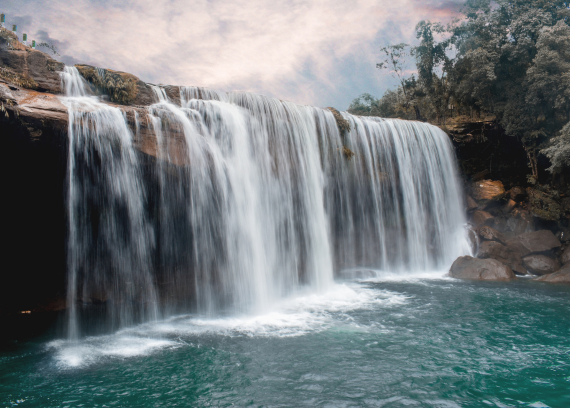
<point x="299" y="315"/>
<point x="378" y="276"/>
<point x="76" y="354"/>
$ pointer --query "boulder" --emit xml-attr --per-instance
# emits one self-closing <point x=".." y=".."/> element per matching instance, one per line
<point x="503" y="254"/>
<point x="487" y="190"/>
<point x="491" y="234"/>
<point x="517" y="194"/>
<point x="565" y="256"/>
<point x="541" y="264"/>
<point x="520" y="222"/>
<point x="534" y="242"/>
<point x="466" y="267"/>
<point x="471" y="203"/>
<point x="511" y="204"/>
<point x="481" y="218"/>
<point x="560" y="276"/>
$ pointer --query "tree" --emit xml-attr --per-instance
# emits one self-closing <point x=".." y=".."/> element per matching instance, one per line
<point x="395" y="61"/>
<point x="505" y="56"/>
<point x="559" y="151"/>
<point x="433" y="65"/>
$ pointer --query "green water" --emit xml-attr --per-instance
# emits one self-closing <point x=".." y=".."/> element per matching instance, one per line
<point x="407" y="343"/>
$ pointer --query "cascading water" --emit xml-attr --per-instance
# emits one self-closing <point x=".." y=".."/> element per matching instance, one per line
<point x="110" y="240"/>
<point x="248" y="199"/>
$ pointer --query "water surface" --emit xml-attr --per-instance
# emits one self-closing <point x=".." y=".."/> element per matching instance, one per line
<point x="377" y="343"/>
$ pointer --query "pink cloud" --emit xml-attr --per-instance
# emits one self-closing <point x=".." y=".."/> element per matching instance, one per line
<point x="292" y="49"/>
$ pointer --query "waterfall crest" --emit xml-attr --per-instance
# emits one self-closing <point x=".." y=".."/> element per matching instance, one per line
<point x="247" y="200"/>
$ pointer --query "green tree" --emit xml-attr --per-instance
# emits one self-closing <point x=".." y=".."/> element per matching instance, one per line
<point x="433" y="64"/>
<point x="559" y="151"/>
<point x="504" y="55"/>
<point x="396" y="58"/>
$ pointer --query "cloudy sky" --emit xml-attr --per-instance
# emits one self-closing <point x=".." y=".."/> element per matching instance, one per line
<point x="317" y="52"/>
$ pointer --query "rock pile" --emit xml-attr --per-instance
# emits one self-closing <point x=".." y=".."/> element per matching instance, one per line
<point x="517" y="230"/>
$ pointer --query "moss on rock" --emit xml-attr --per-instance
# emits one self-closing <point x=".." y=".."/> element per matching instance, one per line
<point x="121" y="87"/>
<point x="341" y="122"/>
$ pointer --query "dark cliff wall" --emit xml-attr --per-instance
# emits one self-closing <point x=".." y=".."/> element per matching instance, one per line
<point x="32" y="173"/>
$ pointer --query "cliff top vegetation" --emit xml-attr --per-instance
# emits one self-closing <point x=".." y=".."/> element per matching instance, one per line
<point x="509" y="60"/>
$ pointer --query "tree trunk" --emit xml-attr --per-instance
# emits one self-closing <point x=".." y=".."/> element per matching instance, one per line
<point x="531" y="154"/>
<point x="418" y="113"/>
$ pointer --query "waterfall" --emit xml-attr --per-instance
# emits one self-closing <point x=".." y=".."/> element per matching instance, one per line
<point x="245" y="200"/>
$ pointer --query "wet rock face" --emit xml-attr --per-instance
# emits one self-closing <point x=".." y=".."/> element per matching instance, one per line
<point x="482" y="218"/>
<point x="491" y="234"/>
<point x="541" y="264"/>
<point x="560" y="276"/>
<point x="471" y="203"/>
<point x="503" y="254"/>
<point x="466" y="267"/>
<point x="534" y="242"/>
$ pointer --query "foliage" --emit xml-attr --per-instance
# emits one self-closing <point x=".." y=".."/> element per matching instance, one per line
<point x="559" y="151"/>
<point x="48" y="46"/>
<point x="120" y="87"/>
<point x="349" y="154"/>
<point x="506" y="58"/>
<point x="396" y="58"/>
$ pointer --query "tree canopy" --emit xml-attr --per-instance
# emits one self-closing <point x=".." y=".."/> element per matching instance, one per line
<point x="509" y="59"/>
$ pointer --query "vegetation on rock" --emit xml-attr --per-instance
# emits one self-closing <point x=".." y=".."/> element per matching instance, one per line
<point x="15" y="78"/>
<point x="341" y="122"/>
<point x="119" y="86"/>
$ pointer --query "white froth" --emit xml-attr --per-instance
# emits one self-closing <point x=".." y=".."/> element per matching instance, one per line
<point x="297" y="316"/>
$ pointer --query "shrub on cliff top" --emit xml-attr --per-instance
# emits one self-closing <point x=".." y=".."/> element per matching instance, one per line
<point x="7" y="37"/>
<point x="119" y="86"/>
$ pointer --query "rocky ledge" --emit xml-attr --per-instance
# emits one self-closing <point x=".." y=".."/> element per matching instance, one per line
<point x="31" y="89"/>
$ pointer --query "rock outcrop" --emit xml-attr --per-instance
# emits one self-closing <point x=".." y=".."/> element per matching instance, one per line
<point x="491" y="234"/>
<point x="560" y="276"/>
<point x="503" y="254"/>
<point x="534" y="242"/>
<point x="24" y="66"/>
<point x="541" y="264"/>
<point x="487" y="190"/>
<point x="481" y="218"/>
<point x="466" y="267"/>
